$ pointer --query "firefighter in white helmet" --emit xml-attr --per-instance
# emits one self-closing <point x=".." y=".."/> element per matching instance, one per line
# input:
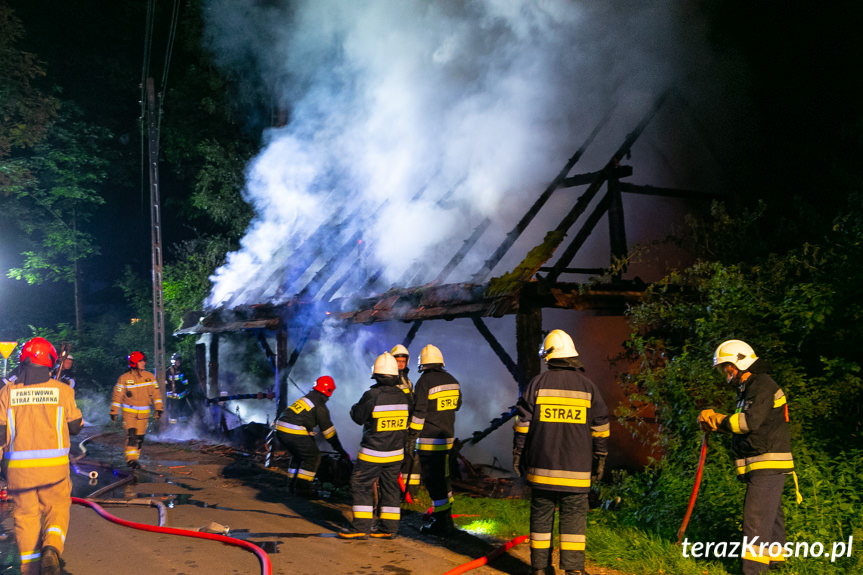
<point x="410" y="472"/>
<point x="432" y="433"/>
<point x="177" y="406"/>
<point x="383" y="413"/>
<point x="561" y="435"/>
<point x="37" y="416"/>
<point x="760" y="446"/>
<point x="295" y="431"/>
<point x="133" y="394"/>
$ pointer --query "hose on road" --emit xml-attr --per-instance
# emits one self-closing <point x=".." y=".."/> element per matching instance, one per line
<point x="490" y="557"/>
<point x="266" y="567"/>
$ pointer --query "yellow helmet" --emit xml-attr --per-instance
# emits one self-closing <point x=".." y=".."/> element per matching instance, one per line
<point x="429" y="355"/>
<point x="736" y="352"/>
<point x="385" y="364"/>
<point x="399" y="350"/>
<point x="557" y="345"/>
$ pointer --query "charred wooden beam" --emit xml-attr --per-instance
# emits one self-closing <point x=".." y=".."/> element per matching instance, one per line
<point x="616" y="225"/>
<point x="281" y="371"/>
<point x="213" y="367"/>
<point x="496" y="347"/>
<point x="528" y="217"/>
<point x="667" y="192"/>
<point x="528" y="337"/>
<point x="540" y="254"/>
<point x="589" y="177"/>
<point x="588" y="271"/>
<point x="580" y="238"/>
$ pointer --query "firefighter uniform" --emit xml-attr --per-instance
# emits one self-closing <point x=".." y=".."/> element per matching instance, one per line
<point x="383" y="412"/>
<point x="36" y="420"/>
<point x="176" y="394"/>
<point x="760" y="445"/>
<point x="134" y="393"/>
<point x="761" y="448"/>
<point x="410" y="470"/>
<point x="437" y="398"/>
<point x="295" y="431"/>
<point x="561" y="429"/>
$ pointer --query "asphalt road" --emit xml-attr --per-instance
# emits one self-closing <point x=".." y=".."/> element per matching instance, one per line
<point x="203" y="487"/>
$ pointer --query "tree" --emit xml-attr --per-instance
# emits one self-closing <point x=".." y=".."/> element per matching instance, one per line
<point x="25" y="111"/>
<point x="55" y="205"/>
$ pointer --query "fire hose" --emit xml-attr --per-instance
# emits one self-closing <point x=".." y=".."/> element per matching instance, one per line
<point x="266" y="567"/>
<point x="490" y="557"/>
<point x="695" y="488"/>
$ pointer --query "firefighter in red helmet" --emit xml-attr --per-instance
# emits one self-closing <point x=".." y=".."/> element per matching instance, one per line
<point x="295" y="430"/>
<point x="133" y="395"/>
<point x="37" y="416"/>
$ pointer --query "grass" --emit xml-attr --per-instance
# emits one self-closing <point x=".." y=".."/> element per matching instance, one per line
<point x="610" y="545"/>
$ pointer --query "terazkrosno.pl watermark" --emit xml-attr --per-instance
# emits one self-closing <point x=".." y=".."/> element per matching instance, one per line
<point x="751" y="548"/>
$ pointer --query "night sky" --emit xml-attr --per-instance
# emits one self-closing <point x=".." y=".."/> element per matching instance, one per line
<point x="795" y="81"/>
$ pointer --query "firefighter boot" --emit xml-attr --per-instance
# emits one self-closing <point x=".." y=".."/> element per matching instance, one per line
<point x="352" y="533"/>
<point x="50" y="561"/>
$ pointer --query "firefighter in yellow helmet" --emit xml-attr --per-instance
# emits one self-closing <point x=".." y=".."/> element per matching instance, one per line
<point x="133" y="395"/>
<point x="432" y="433"/>
<point x="760" y="446"/>
<point x="410" y="472"/>
<point x="561" y="435"/>
<point x="37" y="416"/>
<point x="383" y="413"/>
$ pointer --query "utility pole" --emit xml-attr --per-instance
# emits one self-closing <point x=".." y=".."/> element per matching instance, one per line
<point x="158" y="366"/>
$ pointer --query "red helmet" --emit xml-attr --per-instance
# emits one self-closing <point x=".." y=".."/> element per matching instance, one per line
<point x="39" y="351"/>
<point x="325" y="385"/>
<point x="135" y="357"/>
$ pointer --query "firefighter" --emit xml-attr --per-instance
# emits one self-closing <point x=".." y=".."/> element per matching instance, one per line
<point x="133" y="394"/>
<point x="37" y="416"/>
<point x="561" y="431"/>
<point x="383" y="413"/>
<point x="760" y="446"/>
<point x="437" y="398"/>
<point x="295" y="430"/>
<point x="176" y="391"/>
<point x="410" y="471"/>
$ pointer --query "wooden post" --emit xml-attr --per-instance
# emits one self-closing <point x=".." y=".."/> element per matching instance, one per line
<point x="281" y="370"/>
<point x="201" y="367"/>
<point x="213" y="368"/>
<point x="528" y="336"/>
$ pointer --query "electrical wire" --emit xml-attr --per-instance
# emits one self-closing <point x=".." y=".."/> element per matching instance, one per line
<point x="169" y="51"/>
<point x="266" y="566"/>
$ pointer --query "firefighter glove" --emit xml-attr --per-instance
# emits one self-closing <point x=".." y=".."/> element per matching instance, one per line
<point x="516" y="461"/>
<point x="113" y="417"/>
<point x="709" y="420"/>
<point x="598" y="467"/>
<point x="158" y="414"/>
<point x="410" y="443"/>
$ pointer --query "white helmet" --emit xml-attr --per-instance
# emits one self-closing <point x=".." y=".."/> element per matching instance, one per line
<point x="399" y="350"/>
<point x="385" y="364"/>
<point x="429" y="355"/>
<point x="736" y="352"/>
<point x="557" y="345"/>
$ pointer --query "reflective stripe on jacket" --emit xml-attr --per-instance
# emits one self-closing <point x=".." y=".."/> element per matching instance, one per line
<point x="37" y="442"/>
<point x="134" y="392"/>
<point x="561" y="421"/>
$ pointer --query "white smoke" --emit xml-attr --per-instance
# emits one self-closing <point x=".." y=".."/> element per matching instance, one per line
<point x="477" y="103"/>
<point x="411" y="121"/>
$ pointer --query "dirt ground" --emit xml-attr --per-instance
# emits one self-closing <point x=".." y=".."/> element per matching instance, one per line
<point x="202" y="485"/>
